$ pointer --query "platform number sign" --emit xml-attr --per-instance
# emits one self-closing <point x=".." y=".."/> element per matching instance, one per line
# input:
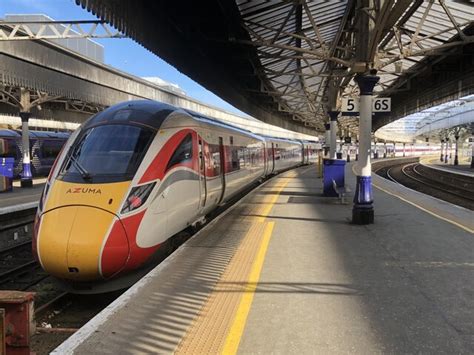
<point x="383" y="104"/>
<point x="350" y="105"/>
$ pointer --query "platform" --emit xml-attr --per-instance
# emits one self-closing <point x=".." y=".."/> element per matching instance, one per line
<point x="21" y="198"/>
<point x="284" y="271"/>
<point x="464" y="167"/>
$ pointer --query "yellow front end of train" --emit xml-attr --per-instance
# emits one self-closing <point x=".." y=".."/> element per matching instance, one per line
<point x="74" y="225"/>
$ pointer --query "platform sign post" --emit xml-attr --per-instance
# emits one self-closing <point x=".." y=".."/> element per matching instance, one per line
<point x="380" y="105"/>
<point x="363" y="210"/>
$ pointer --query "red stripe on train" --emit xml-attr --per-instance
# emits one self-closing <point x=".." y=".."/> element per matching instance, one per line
<point x="157" y="168"/>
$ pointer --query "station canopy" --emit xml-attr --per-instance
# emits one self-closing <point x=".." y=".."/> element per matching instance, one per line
<point x="434" y="123"/>
<point x="296" y="59"/>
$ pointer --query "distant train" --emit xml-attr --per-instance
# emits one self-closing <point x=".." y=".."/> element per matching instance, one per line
<point x="136" y="174"/>
<point x="44" y="148"/>
<point x="388" y="150"/>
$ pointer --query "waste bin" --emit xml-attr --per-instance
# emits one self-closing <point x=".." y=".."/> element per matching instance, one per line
<point x="6" y="174"/>
<point x="333" y="169"/>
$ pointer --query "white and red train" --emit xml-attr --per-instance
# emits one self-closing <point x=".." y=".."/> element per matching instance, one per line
<point x="136" y="174"/>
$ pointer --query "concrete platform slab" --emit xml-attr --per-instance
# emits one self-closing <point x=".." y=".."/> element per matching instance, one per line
<point x="464" y="167"/>
<point x="21" y="198"/>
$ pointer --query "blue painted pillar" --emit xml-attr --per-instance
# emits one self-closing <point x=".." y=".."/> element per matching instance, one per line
<point x="363" y="210"/>
<point x="26" y="176"/>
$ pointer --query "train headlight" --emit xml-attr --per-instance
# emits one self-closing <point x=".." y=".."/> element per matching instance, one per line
<point x="137" y="197"/>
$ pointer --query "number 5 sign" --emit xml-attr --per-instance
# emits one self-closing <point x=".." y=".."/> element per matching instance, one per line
<point x="350" y="106"/>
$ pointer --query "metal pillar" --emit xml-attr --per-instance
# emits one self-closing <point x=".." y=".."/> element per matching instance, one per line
<point x="333" y="129"/>
<point x="26" y="176"/>
<point x="442" y="148"/>
<point x="384" y="149"/>
<point x="327" y="142"/>
<point x="363" y="210"/>
<point x="456" y="149"/>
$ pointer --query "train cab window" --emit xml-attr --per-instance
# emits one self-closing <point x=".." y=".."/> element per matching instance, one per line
<point x="107" y="153"/>
<point x="183" y="153"/>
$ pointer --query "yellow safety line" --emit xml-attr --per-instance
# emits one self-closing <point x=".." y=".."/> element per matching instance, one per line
<point x="238" y="325"/>
<point x="265" y="211"/>
<point x="235" y="333"/>
<point x="467" y="229"/>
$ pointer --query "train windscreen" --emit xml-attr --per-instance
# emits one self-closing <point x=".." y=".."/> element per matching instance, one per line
<point x="108" y="153"/>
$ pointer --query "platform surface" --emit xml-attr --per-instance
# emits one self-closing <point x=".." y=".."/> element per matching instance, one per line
<point x="284" y="271"/>
<point x="21" y="197"/>
<point x="464" y="167"/>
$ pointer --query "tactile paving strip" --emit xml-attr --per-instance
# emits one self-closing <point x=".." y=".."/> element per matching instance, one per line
<point x="208" y="332"/>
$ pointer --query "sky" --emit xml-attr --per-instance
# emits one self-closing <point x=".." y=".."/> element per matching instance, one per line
<point x="123" y="54"/>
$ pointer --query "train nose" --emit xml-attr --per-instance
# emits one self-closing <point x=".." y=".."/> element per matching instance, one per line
<point x="71" y="240"/>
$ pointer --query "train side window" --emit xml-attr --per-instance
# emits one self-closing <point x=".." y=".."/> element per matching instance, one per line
<point x="235" y="159"/>
<point x="183" y="153"/>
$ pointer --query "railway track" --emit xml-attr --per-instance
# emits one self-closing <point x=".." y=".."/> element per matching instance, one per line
<point x="21" y="275"/>
<point x="450" y="187"/>
<point x="18" y="269"/>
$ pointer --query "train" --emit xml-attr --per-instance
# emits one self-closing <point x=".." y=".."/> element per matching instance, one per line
<point x="134" y="175"/>
<point x="44" y="148"/>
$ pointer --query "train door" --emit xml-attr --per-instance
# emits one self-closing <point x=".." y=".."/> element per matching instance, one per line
<point x="222" y="163"/>
<point x="202" y="175"/>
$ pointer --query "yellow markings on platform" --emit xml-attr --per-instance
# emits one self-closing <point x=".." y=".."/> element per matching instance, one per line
<point x="235" y="334"/>
<point x="220" y="323"/>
